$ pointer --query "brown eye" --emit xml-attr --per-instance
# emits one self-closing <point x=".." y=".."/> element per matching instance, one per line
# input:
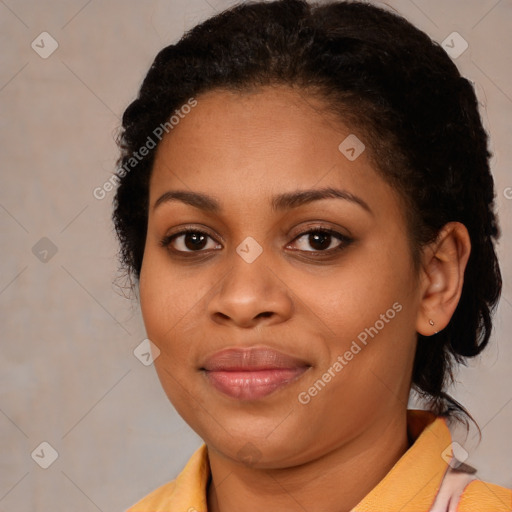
<point x="191" y="241"/>
<point x="320" y="241"/>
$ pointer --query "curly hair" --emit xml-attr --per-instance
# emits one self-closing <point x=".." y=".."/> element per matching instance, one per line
<point x="380" y="75"/>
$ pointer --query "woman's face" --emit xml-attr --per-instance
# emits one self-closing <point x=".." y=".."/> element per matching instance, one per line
<point x="285" y="318"/>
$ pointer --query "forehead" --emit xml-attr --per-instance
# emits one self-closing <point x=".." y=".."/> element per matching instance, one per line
<point x="256" y="143"/>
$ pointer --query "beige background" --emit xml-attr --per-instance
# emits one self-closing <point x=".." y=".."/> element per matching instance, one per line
<point x="68" y="373"/>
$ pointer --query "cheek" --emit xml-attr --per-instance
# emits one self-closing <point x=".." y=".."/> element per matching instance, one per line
<point x="358" y="292"/>
<point x="162" y="298"/>
<point x="369" y="310"/>
<point x="166" y="309"/>
<point x="173" y="303"/>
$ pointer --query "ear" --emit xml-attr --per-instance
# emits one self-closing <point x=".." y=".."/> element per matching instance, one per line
<point x="442" y="276"/>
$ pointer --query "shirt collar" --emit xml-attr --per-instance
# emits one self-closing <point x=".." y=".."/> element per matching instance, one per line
<point x="412" y="483"/>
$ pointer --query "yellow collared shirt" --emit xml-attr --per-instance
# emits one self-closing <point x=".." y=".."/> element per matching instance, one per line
<point x="412" y="484"/>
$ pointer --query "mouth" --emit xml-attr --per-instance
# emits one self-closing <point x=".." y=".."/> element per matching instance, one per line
<point x="252" y="374"/>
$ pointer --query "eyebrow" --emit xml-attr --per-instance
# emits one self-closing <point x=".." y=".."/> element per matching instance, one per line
<point x="286" y="201"/>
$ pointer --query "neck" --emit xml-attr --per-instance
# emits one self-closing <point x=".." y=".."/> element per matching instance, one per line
<point x="335" y="482"/>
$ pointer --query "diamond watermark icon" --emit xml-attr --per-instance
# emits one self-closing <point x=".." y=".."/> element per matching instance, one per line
<point x="454" y="454"/>
<point x="45" y="455"/>
<point x="455" y="45"/>
<point x="146" y="352"/>
<point x="351" y="147"/>
<point x="44" y="45"/>
<point x="249" y="249"/>
<point x="249" y="454"/>
<point x="44" y="250"/>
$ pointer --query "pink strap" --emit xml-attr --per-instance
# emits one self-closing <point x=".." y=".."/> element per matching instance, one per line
<point x="452" y="486"/>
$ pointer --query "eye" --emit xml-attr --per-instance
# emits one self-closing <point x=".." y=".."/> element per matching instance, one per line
<point x="320" y="240"/>
<point x="316" y="240"/>
<point x="190" y="241"/>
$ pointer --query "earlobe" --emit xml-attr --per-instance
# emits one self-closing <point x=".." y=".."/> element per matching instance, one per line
<point x="443" y="266"/>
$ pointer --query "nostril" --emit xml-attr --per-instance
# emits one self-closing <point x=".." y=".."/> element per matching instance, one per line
<point x="265" y="314"/>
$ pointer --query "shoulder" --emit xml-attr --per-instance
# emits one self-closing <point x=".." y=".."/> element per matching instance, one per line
<point x="186" y="493"/>
<point x="154" y="500"/>
<point x="485" y="497"/>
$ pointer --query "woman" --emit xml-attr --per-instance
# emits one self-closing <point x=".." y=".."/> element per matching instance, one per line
<point x="306" y="204"/>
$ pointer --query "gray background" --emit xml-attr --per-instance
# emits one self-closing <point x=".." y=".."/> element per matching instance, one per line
<point x="68" y="373"/>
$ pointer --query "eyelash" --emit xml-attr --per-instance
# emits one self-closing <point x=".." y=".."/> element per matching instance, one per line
<point x="344" y="241"/>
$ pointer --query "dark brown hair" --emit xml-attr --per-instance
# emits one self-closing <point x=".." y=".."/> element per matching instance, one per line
<point x="418" y="116"/>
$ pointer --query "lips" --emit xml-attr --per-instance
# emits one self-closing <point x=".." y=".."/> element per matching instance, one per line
<point x="251" y="374"/>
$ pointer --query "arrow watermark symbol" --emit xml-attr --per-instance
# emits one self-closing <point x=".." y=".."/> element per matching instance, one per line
<point x="351" y="147"/>
<point x="44" y="455"/>
<point x="455" y="45"/>
<point x="44" y="45"/>
<point x="249" y="249"/>
<point x="44" y="250"/>
<point x="146" y="352"/>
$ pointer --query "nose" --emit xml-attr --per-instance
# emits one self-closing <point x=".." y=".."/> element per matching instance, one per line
<point x="251" y="294"/>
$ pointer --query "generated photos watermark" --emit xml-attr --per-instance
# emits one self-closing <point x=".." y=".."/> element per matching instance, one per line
<point x="151" y="142"/>
<point x="304" y="397"/>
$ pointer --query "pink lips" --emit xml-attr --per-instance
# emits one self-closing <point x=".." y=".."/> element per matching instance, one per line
<point x="250" y="374"/>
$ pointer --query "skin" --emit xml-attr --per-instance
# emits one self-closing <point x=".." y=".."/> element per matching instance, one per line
<point x="241" y="150"/>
